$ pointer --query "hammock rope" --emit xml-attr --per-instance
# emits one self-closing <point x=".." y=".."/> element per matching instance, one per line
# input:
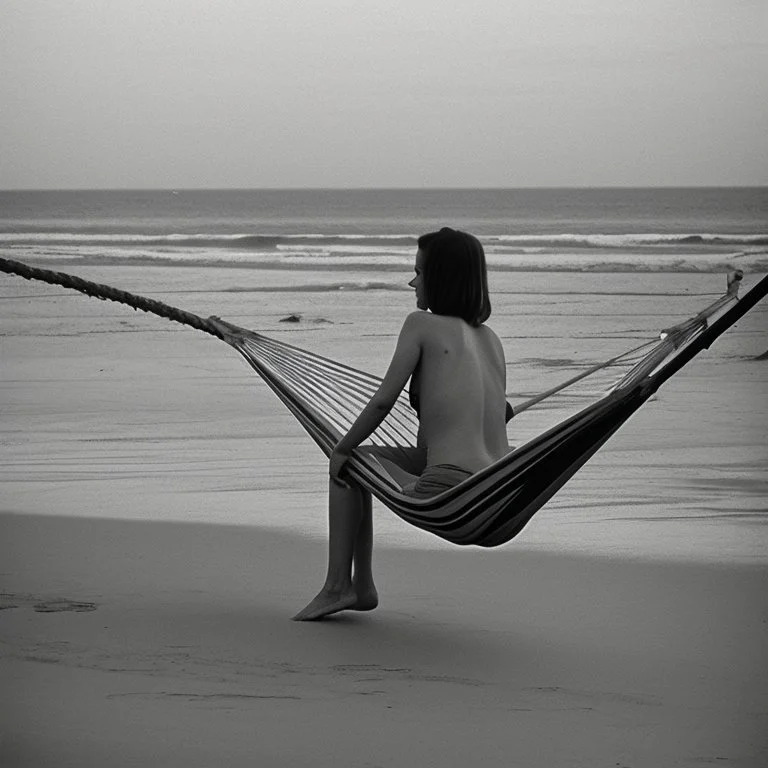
<point x="495" y="504"/>
<point x="108" y="293"/>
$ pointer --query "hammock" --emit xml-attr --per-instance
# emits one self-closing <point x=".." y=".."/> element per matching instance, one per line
<point x="493" y="505"/>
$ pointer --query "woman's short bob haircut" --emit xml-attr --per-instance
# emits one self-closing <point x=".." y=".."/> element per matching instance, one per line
<point x="455" y="275"/>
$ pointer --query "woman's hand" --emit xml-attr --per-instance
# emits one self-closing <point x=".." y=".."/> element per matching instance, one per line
<point x="336" y="465"/>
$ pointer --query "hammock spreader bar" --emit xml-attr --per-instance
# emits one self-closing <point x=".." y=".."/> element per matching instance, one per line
<point x="493" y="505"/>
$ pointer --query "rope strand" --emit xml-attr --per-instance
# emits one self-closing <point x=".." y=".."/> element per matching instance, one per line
<point x="107" y="293"/>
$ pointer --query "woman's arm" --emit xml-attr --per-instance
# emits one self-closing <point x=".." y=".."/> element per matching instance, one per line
<point x="402" y="365"/>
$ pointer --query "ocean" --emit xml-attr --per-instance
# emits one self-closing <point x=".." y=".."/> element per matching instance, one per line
<point x="108" y="412"/>
<point x="676" y="230"/>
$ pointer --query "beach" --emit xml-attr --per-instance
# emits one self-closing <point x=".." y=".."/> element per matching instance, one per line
<point x="162" y="516"/>
<point x="108" y="410"/>
<point x="187" y="656"/>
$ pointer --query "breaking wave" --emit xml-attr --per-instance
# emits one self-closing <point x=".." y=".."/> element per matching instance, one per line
<point x="638" y="252"/>
<point x="268" y="242"/>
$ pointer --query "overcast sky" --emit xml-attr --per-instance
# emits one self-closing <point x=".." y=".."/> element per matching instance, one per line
<point x="381" y="93"/>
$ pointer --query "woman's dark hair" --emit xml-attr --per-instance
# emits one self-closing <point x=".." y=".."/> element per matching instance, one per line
<point x="455" y="275"/>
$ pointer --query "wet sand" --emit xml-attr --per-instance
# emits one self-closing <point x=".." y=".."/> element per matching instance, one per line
<point x="162" y="517"/>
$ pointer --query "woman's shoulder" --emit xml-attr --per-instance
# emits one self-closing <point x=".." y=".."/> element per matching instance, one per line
<point x="419" y="320"/>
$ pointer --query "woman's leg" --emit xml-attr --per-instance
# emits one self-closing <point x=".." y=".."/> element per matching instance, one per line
<point x="367" y="597"/>
<point x="349" y="530"/>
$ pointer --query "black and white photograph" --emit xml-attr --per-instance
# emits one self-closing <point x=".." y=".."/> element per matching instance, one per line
<point x="383" y="384"/>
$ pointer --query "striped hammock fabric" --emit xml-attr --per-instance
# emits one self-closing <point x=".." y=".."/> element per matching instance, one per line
<point x="494" y="505"/>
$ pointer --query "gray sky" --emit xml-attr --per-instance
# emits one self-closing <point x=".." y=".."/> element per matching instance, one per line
<point x="381" y="93"/>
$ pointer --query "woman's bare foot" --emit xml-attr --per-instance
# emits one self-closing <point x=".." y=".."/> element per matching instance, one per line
<point x="326" y="602"/>
<point x="367" y="597"/>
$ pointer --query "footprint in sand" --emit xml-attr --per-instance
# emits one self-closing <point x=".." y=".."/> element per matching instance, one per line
<point x="57" y="606"/>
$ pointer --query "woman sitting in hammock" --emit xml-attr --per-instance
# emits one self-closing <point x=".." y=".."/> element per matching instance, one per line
<point x="458" y="381"/>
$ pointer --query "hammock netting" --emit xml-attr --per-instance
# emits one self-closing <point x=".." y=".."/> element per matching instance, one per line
<point x="493" y="505"/>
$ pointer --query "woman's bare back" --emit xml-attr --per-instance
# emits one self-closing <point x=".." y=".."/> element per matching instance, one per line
<point x="461" y="381"/>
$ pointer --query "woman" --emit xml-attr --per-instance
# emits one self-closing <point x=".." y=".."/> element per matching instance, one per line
<point x="458" y="382"/>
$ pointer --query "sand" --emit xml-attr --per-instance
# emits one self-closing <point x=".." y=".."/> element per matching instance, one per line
<point x="161" y="518"/>
<point x="175" y="649"/>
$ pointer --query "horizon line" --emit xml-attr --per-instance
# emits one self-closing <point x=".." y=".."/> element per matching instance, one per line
<point x="447" y="188"/>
